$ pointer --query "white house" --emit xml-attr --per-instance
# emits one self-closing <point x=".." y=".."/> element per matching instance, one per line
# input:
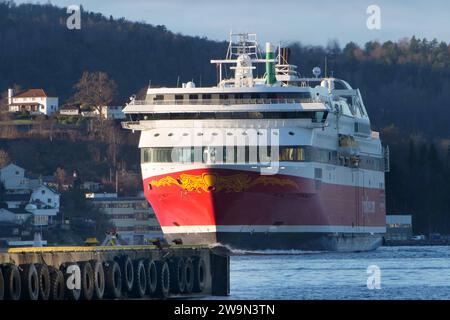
<point x="16" y="200"/>
<point x="43" y="202"/>
<point x="14" y="216"/>
<point x="29" y="196"/>
<point x="35" y="101"/>
<point x="110" y="112"/>
<point x="69" y="110"/>
<point x="13" y="178"/>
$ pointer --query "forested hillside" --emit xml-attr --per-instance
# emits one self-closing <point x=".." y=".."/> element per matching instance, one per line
<point x="405" y="86"/>
<point x="37" y="49"/>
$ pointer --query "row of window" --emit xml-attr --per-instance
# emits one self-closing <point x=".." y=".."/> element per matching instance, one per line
<point x="143" y="216"/>
<point x="244" y="154"/>
<point x="229" y="96"/>
<point x="136" y="216"/>
<point x="121" y="205"/>
<point x="122" y="216"/>
<point x="143" y="229"/>
<point x="254" y="154"/>
<point x="138" y="229"/>
<point x="314" y="116"/>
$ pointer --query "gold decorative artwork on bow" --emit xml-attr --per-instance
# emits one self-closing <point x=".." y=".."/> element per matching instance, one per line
<point x="213" y="182"/>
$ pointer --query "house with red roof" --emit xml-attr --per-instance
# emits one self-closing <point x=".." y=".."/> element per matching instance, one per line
<point x="35" y="101"/>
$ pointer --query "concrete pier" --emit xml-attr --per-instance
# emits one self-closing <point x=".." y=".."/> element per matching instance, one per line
<point x="126" y="271"/>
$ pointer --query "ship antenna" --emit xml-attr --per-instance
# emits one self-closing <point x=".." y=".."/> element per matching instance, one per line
<point x="178" y="81"/>
<point x="279" y="52"/>
<point x="326" y="67"/>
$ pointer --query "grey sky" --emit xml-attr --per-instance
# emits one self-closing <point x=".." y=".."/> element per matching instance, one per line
<point x="311" y="22"/>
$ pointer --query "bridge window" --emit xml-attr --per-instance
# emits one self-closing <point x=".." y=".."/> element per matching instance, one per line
<point x="292" y="154"/>
<point x="363" y="128"/>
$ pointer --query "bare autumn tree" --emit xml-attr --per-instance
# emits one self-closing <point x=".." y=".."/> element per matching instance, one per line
<point x="142" y="93"/>
<point x="114" y="141"/>
<point x="60" y="175"/>
<point x="4" y="102"/>
<point x="129" y="183"/>
<point x="4" y="158"/>
<point x="95" y="89"/>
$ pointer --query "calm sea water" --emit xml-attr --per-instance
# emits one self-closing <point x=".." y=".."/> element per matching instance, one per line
<point x="406" y="273"/>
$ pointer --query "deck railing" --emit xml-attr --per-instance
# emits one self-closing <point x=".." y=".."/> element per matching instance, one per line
<point x="222" y="101"/>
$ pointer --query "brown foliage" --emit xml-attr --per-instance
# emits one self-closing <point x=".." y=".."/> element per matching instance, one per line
<point x="4" y="158"/>
<point x="95" y="89"/>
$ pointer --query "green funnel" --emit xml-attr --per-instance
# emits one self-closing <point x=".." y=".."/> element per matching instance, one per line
<point x="270" y="65"/>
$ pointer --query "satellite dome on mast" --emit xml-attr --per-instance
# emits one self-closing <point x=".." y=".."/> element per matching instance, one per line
<point x="317" y="72"/>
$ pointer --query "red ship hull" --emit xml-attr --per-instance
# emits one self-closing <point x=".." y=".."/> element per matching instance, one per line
<point x="246" y="210"/>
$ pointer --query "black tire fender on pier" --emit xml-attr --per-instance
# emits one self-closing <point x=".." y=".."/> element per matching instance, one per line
<point x="152" y="277"/>
<point x="30" y="282"/>
<point x="199" y="275"/>
<point x="99" y="279"/>
<point x="13" y="284"/>
<point x="163" y="283"/>
<point x="44" y="281"/>
<point x="72" y="294"/>
<point x="87" y="281"/>
<point x="2" y="285"/>
<point x="57" y="284"/>
<point x="189" y="275"/>
<point x="140" y="279"/>
<point x="178" y="275"/>
<point x="126" y="266"/>
<point x="113" y="280"/>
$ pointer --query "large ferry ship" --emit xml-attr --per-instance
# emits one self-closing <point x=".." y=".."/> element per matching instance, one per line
<point x="276" y="161"/>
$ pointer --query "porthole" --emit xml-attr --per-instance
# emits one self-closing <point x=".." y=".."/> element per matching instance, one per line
<point x="156" y="134"/>
<point x="170" y="134"/>
<point x="291" y="133"/>
<point x="185" y="134"/>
